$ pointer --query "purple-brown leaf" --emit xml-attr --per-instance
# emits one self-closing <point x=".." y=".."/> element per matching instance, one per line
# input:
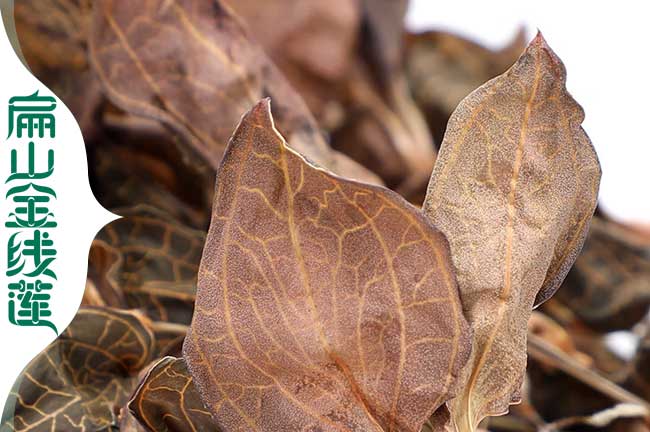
<point x="323" y="304"/>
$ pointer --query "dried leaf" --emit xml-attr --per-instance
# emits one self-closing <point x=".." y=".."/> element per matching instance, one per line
<point x="154" y="263"/>
<point x="140" y="164"/>
<point x="83" y="378"/>
<point x="314" y="45"/>
<point x="513" y="190"/>
<point x="338" y="312"/>
<point x="167" y="401"/>
<point x="609" y="285"/>
<point x="61" y="63"/>
<point x="191" y="65"/>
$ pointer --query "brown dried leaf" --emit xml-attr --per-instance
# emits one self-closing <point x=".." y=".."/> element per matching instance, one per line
<point x="191" y="65"/>
<point x="167" y="401"/>
<point x="141" y="163"/>
<point x="314" y="45"/>
<point x="52" y="36"/>
<point x="609" y="285"/>
<point x="513" y="189"/>
<point x="83" y="378"/>
<point x="153" y="262"/>
<point x="338" y="312"/>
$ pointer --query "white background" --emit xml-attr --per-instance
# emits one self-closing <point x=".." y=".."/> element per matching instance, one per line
<point x="605" y="47"/>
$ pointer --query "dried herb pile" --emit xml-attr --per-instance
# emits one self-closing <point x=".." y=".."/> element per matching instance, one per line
<point x="331" y="225"/>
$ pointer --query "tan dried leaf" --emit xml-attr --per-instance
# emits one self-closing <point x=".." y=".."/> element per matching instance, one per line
<point x="323" y="303"/>
<point x="513" y="189"/>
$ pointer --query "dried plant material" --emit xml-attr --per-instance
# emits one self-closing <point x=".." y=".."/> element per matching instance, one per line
<point x="159" y="86"/>
<point x="191" y="65"/>
<point x="443" y="68"/>
<point x="385" y="131"/>
<point x="141" y="164"/>
<point x="609" y="285"/>
<point x="356" y="85"/>
<point x="167" y="401"/>
<point x="513" y="190"/>
<point x="338" y="312"/>
<point x="545" y="328"/>
<point x="601" y="418"/>
<point x="637" y="378"/>
<point x="129" y="423"/>
<point x="153" y="262"/>
<point x="550" y="355"/>
<point x="62" y="62"/>
<point x="83" y="378"/>
<point x="329" y="28"/>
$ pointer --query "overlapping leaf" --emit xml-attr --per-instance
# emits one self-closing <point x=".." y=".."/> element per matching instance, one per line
<point x="190" y="64"/>
<point x="140" y="163"/>
<point x="80" y="382"/>
<point x="323" y="304"/>
<point x="514" y="188"/>
<point x="167" y="401"/>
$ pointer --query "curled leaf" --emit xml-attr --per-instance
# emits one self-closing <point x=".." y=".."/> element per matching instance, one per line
<point x="323" y="303"/>
<point x="513" y="189"/>
<point x="167" y="401"/>
<point x="83" y="378"/>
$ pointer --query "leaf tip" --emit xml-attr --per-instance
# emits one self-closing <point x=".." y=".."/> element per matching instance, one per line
<point x="539" y="45"/>
<point x="263" y="107"/>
